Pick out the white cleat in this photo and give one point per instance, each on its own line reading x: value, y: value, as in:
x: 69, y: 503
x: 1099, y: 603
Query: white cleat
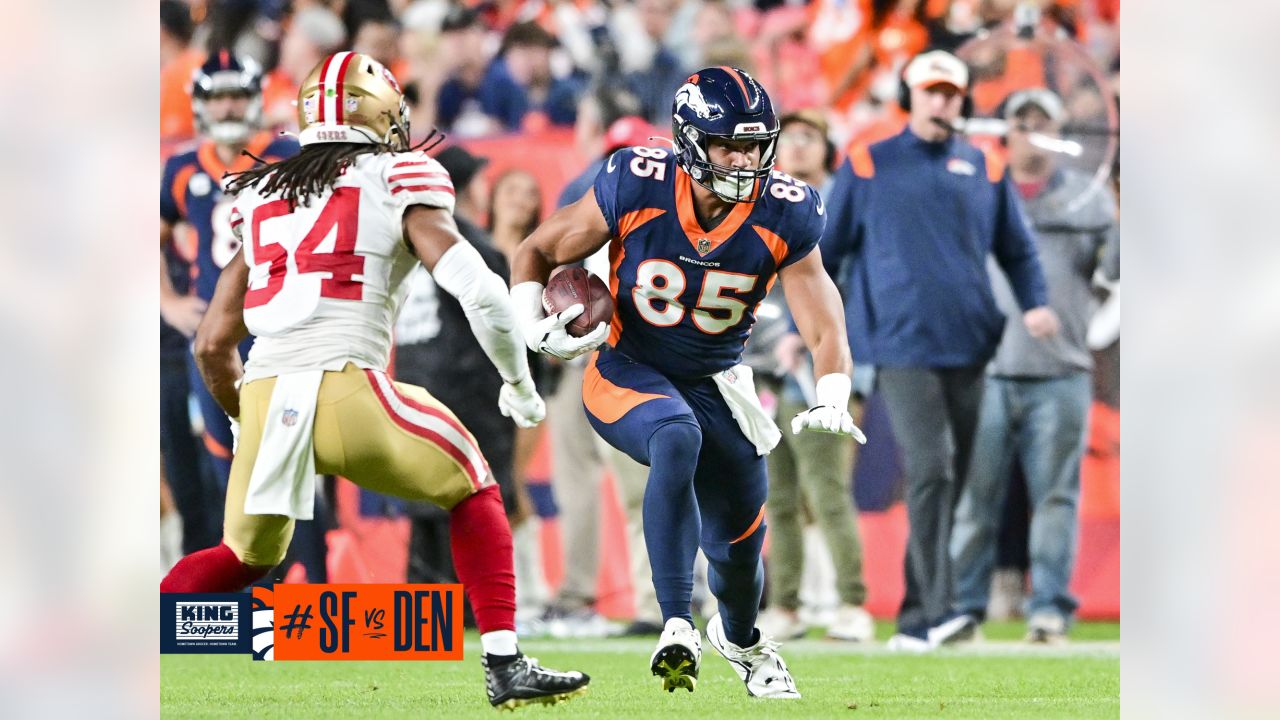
x: 760, y: 666
x: 678, y: 656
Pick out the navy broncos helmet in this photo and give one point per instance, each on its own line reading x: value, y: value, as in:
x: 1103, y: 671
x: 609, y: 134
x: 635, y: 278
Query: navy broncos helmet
x: 724, y: 102
x: 224, y: 73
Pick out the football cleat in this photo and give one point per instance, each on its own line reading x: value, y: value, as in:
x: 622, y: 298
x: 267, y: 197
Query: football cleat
x: 760, y: 666
x: 524, y: 682
x: 678, y: 656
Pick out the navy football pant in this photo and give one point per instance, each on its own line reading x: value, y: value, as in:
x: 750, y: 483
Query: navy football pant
x: 706, y: 486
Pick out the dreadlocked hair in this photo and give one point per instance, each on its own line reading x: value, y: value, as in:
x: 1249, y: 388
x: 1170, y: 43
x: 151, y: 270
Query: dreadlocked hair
x: 313, y: 170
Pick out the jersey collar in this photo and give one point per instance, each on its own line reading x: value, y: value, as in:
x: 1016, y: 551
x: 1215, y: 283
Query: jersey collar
x: 212, y: 164
x: 705, y: 241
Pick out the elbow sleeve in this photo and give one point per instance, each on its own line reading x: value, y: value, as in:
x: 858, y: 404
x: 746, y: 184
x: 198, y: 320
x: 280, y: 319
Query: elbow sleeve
x: 462, y: 273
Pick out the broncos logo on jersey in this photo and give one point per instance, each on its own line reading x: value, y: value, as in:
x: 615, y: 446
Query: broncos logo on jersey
x: 690, y: 95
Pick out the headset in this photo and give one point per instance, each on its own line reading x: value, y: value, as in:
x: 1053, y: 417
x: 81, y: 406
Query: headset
x: 904, y: 91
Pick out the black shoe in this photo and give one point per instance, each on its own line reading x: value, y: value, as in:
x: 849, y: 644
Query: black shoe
x: 523, y: 682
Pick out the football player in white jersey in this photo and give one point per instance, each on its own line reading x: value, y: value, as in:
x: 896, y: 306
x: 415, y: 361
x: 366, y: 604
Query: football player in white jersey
x: 329, y: 237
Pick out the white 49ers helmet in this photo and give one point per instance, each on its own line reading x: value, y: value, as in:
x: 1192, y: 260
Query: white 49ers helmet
x: 352, y: 98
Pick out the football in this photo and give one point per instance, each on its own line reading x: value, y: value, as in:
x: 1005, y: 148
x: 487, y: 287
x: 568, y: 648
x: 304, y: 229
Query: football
x: 569, y: 286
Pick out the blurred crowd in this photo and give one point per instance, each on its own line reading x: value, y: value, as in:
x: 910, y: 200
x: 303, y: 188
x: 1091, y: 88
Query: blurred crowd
x: 474, y: 69
x: 585, y: 77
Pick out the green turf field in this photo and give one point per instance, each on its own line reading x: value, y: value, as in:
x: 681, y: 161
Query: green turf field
x: 998, y: 678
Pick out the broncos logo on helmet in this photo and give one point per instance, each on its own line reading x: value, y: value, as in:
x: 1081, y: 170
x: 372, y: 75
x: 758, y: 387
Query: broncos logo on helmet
x: 726, y: 103
x: 690, y: 96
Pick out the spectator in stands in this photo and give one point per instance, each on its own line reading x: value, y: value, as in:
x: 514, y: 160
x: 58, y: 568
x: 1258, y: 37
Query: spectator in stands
x: 915, y: 216
x: 1036, y: 404
x: 436, y: 349
x: 477, y: 98
x: 312, y: 33
x: 525, y: 58
x: 378, y: 36
x: 607, y: 121
x: 178, y: 60
x: 516, y: 209
x: 812, y: 469
x: 650, y: 69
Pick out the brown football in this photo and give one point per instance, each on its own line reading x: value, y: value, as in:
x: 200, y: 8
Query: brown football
x: 570, y: 286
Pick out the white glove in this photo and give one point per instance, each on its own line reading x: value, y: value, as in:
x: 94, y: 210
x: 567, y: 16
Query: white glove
x: 549, y: 336
x: 831, y: 414
x: 520, y: 402
x: 235, y: 434
x: 546, y: 333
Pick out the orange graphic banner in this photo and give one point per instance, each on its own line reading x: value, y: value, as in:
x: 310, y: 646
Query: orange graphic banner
x: 368, y: 622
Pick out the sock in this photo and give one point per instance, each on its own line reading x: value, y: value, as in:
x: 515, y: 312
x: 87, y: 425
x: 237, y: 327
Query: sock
x: 216, y: 569
x: 482, y: 555
x: 500, y: 644
x: 671, y: 523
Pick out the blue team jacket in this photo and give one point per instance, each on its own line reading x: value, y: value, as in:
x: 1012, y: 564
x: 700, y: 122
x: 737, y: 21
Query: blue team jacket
x: 909, y: 226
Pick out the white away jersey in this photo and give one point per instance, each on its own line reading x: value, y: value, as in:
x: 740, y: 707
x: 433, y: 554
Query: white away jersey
x: 327, y: 279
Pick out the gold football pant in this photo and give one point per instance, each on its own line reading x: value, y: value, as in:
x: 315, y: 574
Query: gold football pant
x: 389, y: 437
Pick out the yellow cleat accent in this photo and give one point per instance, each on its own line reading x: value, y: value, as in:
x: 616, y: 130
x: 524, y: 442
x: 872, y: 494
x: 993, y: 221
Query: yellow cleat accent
x: 676, y: 675
x: 512, y: 704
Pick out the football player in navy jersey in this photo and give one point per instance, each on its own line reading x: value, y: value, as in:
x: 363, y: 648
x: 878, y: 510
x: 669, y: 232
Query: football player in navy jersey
x: 697, y: 237
x: 226, y: 97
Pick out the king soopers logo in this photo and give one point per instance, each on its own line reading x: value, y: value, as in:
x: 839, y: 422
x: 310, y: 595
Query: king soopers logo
x: 207, y: 620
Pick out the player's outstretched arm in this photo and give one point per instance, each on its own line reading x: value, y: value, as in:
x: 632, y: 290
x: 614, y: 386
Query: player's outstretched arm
x: 819, y: 314
x: 572, y: 233
x: 460, y: 270
x: 219, y: 335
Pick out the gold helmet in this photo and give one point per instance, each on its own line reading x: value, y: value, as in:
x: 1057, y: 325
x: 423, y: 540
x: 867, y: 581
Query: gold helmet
x: 352, y: 98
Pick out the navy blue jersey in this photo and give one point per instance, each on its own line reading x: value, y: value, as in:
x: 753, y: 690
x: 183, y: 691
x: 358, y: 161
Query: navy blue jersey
x: 191, y: 191
x: 686, y: 297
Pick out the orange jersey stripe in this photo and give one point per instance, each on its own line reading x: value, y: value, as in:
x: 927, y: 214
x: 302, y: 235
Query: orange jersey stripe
x: 777, y: 246
x: 607, y: 401
x: 179, y: 188
x: 208, y: 157
x: 617, y: 251
x: 634, y: 219
x: 216, y: 448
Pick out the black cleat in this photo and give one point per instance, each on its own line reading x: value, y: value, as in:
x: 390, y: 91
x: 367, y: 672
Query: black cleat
x: 524, y: 682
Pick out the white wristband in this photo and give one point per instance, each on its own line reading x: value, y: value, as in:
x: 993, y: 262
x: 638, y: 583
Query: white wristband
x: 834, y: 390
x: 526, y: 301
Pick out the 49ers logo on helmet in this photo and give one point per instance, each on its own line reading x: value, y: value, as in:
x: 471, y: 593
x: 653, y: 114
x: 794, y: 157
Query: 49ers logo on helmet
x: 391, y: 79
